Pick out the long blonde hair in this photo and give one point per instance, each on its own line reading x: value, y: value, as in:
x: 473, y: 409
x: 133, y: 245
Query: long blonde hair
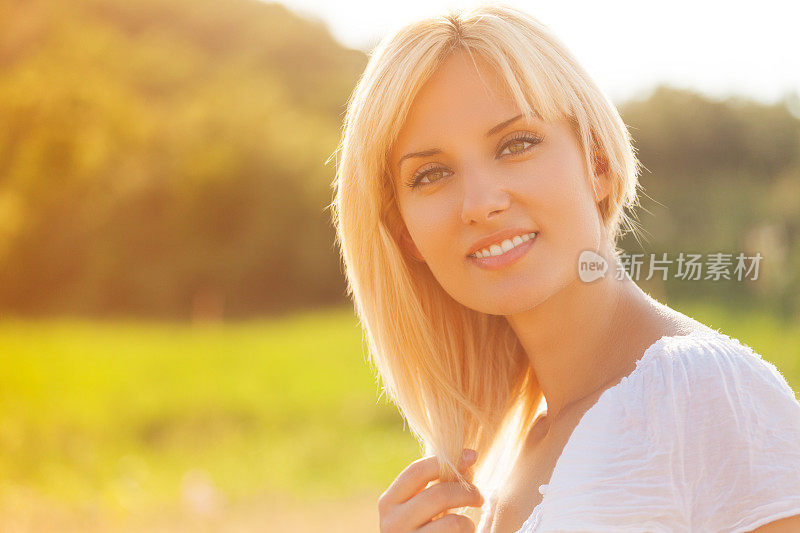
x: 460, y: 377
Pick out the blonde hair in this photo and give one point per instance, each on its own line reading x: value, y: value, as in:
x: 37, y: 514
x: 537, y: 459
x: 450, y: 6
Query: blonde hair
x: 460, y: 377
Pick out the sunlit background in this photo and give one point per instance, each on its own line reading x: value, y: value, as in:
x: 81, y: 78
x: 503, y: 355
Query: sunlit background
x: 176, y: 350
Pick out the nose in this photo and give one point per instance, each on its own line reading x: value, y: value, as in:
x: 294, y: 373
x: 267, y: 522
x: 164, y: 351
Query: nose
x: 483, y: 198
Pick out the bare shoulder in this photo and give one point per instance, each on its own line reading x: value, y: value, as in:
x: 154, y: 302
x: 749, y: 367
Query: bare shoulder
x: 675, y: 322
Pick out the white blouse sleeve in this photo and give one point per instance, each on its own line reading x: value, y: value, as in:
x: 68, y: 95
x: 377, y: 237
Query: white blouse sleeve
x: 736, y: 423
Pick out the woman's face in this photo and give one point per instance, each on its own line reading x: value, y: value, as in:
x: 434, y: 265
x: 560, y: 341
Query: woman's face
x: 481, y: 170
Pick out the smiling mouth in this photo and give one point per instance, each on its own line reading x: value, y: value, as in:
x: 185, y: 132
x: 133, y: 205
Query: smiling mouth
x: 505, y: 259
x: 503, y: 247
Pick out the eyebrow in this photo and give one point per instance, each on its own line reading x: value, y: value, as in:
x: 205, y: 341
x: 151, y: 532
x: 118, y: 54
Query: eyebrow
x: 434, y: 151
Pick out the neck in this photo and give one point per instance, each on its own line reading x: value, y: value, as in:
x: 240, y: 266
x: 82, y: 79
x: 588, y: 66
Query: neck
x: 575, y: 339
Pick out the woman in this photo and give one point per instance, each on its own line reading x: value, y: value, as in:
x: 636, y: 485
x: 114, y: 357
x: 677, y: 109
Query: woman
x: 478, y: 163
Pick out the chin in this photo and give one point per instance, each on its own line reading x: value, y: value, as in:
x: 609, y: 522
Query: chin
x: 509, y: 304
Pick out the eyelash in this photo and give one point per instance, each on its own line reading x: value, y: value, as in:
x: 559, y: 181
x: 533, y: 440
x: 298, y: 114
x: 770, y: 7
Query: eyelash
x: 520, y: 136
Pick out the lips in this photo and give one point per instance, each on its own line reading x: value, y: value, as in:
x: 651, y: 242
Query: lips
x: 497, y: 238
x: 504, y: 260
x: 505, y: 246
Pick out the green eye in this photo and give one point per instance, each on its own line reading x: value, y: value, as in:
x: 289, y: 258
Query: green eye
x: 520, y: 143
x: 433, y: 174
x: 517, y: 146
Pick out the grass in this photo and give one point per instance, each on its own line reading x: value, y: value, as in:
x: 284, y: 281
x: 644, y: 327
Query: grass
x: 127, y: 418
x: 124, y: 416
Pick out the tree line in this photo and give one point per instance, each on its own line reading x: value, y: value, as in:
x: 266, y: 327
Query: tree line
x: 168, y: 160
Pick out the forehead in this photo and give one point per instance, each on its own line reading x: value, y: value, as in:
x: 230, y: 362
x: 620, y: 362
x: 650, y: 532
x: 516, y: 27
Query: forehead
x: 464, y: 94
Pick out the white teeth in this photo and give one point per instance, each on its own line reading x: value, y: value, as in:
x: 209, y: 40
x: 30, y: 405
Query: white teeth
x: 506, y: 245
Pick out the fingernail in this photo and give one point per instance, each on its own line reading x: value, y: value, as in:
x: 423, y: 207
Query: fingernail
x: 468, y: 455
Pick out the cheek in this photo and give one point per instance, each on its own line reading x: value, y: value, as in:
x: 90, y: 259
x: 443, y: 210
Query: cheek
x: 427, y: 224
x: 557, y: 188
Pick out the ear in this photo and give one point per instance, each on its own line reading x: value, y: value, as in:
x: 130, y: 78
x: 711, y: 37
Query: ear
x: 602, y: 180
x: 408, y: 246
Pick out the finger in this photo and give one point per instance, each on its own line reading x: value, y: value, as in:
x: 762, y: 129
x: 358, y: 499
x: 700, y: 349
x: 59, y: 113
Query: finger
x: 437, y: 499
x: 448, y: 524
x: 466, y: 470
x: 415, y: 477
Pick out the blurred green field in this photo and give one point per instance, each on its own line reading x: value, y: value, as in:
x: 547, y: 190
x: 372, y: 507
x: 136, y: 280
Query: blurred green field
x: 133, y: 418
x: 140, y: 419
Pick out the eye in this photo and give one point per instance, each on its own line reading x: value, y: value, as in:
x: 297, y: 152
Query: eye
x: 519, y: 143
x: 432, y: 174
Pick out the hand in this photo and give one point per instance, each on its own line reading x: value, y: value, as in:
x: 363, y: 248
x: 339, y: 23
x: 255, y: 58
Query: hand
x: 405, y: 507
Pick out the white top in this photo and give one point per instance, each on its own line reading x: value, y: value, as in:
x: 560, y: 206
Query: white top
x: 703, y: 435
